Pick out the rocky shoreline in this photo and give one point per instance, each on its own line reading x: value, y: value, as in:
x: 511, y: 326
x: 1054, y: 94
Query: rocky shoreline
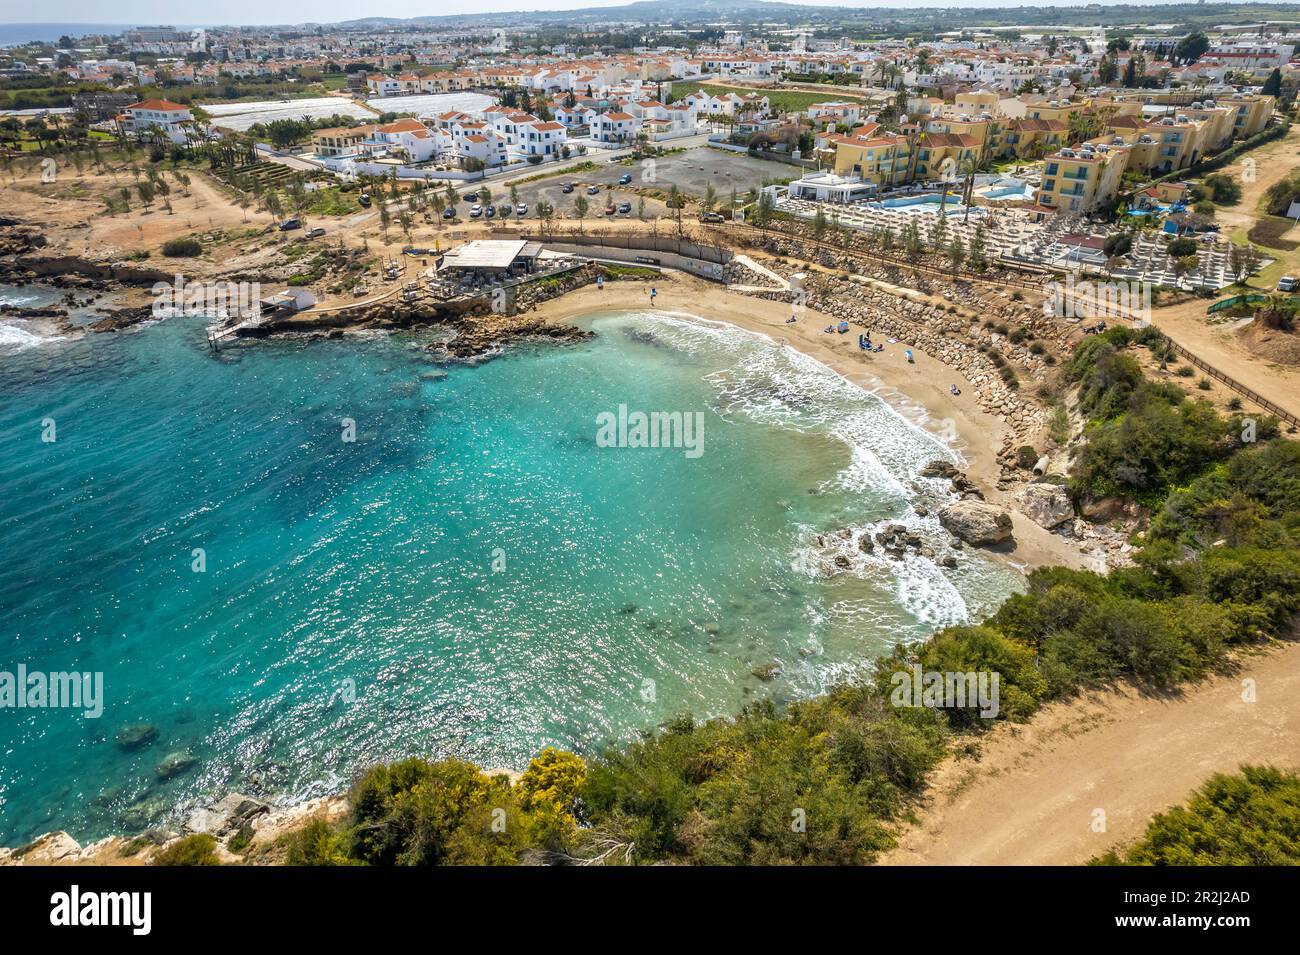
x: 253, y: 826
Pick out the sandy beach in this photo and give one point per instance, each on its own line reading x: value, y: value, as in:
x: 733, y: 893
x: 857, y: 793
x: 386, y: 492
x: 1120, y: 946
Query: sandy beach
x: 919, y: 391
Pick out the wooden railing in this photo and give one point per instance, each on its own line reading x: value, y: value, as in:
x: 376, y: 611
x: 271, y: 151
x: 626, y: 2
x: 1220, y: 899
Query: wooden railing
x: 1249, y: 393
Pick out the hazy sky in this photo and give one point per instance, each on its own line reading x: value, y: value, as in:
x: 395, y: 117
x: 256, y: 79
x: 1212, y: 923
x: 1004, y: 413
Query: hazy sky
x: 328, y: 11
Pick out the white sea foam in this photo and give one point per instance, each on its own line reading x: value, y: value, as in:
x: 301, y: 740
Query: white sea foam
x: 784, y: 387
x: 15, y: 337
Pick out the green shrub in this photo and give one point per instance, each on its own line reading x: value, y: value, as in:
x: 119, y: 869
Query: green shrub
x: 1247, y: 818
x: 182, y: 248
x: 199, y: 849
x: 316, y: 844
x: 241, y: 840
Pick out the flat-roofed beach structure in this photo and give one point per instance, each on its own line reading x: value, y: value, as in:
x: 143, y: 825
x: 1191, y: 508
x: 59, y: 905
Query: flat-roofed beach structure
x: 494, y: 257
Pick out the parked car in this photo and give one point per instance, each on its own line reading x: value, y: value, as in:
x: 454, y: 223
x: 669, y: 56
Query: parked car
x: 624, y: 179
x: 315, y: 233
x: 288, y: 224
x: 364, y: 200
x: 490, y: 212
x: 712, y: 217
x: 609, y: 209
x: 567, y: 188
x: 625, y: 207
x: 504, y: 210
x: 521, y: 209
x: 593, y: 190
x: 475, y: 211
x: 449, y: 212
x: 1287, y: 283
x: 471, y: 197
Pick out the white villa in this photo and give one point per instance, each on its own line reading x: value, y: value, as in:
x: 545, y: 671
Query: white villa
x: 157, y: 115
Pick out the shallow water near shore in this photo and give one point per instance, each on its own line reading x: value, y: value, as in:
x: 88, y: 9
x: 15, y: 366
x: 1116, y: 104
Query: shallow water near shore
x: 473, y: 576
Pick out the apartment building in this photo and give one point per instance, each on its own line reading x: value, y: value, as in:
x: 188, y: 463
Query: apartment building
x: 1084, y: 179
x: 878, y: 159
x: 946, y: 155
x: 1027, y: 138
x: 977, y: 130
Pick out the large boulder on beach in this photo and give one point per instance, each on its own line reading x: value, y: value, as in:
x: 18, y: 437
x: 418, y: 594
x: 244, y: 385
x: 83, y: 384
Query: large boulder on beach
x: 976, y: 522
x: 227, y: 815
x: 939, y: 469
x: 1047, y: 504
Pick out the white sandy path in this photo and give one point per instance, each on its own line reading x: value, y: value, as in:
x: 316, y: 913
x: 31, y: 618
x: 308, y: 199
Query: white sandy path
x: 1030, y: 798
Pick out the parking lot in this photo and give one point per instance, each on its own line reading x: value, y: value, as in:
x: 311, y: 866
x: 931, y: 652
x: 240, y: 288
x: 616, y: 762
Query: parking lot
x: 693, y: 171
x: 690, y: 171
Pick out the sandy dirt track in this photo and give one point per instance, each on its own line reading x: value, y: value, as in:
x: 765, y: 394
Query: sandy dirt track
x: 1030, y: 798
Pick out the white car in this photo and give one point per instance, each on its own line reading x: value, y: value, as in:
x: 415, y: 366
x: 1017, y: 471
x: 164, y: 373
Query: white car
x: 1287, y: 283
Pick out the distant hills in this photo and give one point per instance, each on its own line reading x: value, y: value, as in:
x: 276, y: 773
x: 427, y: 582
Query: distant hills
x: 773, y: 11
x: 658, y: 11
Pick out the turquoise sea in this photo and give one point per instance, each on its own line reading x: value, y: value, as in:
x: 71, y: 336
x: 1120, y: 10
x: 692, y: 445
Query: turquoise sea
x: 472, y: 576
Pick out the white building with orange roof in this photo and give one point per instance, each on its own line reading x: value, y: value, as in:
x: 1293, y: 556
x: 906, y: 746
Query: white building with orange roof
x: 576, y: 116
x: 158, y: 116
x: 835, y: 112
x: 615, y: 127
x: 382, y: 85
x: 544, y: 139
x: 408, y: 138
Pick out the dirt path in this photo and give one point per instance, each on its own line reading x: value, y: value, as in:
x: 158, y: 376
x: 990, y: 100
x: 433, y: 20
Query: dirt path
x: 1032, y: 796
x: 1273, y: 161
x: 1187, y: 325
